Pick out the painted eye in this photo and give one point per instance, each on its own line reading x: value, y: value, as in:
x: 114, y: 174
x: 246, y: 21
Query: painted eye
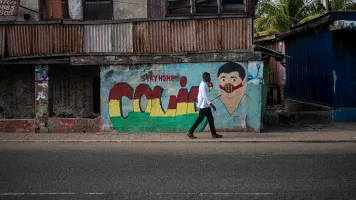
x: 223, y: 80
x: 234, y: 80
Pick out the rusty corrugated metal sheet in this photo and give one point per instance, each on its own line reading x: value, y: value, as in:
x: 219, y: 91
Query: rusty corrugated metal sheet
x: 276, y: 71
x: 97, y: 38
x: 122, y: 37
x: 2, y: 40
x: 192, y: 35
x: 32, y: 40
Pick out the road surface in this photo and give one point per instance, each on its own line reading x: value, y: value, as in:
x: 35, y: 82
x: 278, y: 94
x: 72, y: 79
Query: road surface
x: 177, y: 171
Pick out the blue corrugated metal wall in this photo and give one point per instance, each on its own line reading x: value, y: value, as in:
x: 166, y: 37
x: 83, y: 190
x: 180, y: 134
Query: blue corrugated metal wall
x: 345, y: 57
x: 310, y: 70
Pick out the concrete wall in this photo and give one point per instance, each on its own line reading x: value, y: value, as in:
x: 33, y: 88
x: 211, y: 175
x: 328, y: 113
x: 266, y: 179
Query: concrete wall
x: 17, y: 91
x: 124, y: 9
x: 32, y: 4
x: 71, y: 91
x: 160, y: 98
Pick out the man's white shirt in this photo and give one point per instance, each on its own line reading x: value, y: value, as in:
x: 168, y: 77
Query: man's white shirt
x: 203, y: 96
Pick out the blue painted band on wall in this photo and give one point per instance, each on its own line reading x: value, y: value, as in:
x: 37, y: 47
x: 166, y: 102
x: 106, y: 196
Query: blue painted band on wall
x: 344, y: 115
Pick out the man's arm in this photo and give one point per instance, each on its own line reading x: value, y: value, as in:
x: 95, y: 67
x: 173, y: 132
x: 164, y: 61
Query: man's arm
x: 206, y: 97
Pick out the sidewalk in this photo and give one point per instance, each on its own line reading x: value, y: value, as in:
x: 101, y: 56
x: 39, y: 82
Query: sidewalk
x: 173, y: 137
x: 345, y: 132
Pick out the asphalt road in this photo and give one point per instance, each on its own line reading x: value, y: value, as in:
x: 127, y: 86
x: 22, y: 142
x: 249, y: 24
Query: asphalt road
x: 177, y: 171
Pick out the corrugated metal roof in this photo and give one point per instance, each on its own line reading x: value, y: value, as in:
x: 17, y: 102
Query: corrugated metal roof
x: 161, y: 36
x: 122, y: 39
x: 30, y: 40
x: 108, y: 38
x: 326, y: 18
x: 97, y: 38
x: 193, y: 35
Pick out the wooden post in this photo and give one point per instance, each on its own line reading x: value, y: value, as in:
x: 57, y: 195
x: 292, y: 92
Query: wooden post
x: 327, y: 5
x: 192, y: 6
x: 164, y: 7
x: 219, y: 6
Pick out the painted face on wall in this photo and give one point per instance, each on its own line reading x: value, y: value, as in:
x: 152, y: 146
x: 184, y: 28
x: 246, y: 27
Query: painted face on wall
x: 231, y: 79
x: 229, y: 83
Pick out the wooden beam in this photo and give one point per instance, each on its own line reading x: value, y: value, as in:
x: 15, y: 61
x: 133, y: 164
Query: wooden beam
x: 192, y: 8
x: 165, y: 7
x: 166, y: 58
x: 35, y: 62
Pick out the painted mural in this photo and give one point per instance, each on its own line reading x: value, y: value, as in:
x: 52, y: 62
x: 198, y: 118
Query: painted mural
x: 162, y: 98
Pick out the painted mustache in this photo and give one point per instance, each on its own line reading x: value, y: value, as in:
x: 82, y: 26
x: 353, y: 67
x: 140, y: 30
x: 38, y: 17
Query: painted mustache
x: 229, y: 88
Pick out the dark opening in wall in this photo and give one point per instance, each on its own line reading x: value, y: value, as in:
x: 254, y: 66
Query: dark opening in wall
x: 17, y: 92
x: 98, y: 10
x: 205, y: 7
x: 232, y: 6
x: 72, y: 89
x: 96, y: 95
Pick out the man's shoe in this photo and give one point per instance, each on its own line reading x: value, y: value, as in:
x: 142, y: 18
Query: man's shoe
x: 191, y: 136
x: 217, y: 136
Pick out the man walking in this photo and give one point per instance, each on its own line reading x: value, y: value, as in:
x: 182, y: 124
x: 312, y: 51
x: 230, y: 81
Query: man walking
x: 204, y: 105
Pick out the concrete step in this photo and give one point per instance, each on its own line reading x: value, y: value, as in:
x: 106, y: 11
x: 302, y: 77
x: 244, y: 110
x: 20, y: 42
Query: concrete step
x: 305, y: 117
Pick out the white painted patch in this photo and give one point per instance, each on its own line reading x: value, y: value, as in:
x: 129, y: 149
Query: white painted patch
x: 75, y: 9
x: 335, y: 79
x: 41, y: 96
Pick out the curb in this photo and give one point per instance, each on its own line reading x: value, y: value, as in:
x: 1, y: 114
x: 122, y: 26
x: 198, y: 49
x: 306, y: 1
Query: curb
x: 175, y: 141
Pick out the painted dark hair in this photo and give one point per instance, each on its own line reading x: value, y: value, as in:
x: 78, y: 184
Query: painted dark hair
x: 232, y: 67
x: 205, y: 75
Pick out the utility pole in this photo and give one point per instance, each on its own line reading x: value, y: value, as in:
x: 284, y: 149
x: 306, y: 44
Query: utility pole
x: 327, y: 5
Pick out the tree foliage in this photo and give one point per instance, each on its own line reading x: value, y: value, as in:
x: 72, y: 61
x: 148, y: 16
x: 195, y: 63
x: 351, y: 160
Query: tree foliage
x: 277, y: 16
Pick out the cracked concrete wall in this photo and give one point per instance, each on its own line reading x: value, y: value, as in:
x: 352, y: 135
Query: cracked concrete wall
x: 124, y: 9
x: 17, y: 91
x: 71, y: 91
x: 160, y: 97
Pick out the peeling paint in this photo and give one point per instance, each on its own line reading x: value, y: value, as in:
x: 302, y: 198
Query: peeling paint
x: 124, y: 9
x: 17, y: 126
x: 254, y: 92
x: 41, y: 103
x: 75, y: 9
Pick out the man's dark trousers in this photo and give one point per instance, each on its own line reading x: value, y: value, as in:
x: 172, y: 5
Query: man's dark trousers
x: 204, y: 112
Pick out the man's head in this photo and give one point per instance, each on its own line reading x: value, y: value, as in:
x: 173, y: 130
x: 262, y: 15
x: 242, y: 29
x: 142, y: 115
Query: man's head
x: 206, y: 77
x: 231, y: 77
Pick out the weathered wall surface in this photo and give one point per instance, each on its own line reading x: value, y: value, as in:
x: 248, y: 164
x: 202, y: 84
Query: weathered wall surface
x: 124, y: 9
x: 161, y: 98
x: 17, y: 91
x: 75, y: 9
x: 71, y: 91
x: 32, y: 4
x: 17, y: 125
